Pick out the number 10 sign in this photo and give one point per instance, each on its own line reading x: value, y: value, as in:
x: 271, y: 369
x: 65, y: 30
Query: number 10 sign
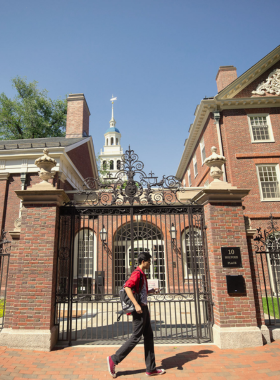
x: 231, y: 257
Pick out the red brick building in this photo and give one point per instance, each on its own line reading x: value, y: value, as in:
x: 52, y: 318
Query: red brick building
x: 243, y: 122
x: 74, y: 155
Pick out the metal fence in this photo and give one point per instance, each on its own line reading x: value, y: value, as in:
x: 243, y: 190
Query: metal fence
x: 5, y: 247
x: 267, y: 251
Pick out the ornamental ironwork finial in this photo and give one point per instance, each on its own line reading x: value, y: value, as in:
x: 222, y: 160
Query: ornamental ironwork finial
x: 131, y: 185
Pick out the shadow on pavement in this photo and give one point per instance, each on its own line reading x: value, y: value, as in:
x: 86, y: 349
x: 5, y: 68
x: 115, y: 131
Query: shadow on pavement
x: 174, y: 361
x: 182, y: 358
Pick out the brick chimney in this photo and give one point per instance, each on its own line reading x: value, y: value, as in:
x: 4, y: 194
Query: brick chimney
x: 226, y: 75
x: 77, y: 123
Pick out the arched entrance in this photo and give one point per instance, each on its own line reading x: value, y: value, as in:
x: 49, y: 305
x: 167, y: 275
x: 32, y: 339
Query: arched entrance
x: 146, y: 238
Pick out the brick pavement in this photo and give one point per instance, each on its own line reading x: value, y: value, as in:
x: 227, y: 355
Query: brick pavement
x: 197, y: 362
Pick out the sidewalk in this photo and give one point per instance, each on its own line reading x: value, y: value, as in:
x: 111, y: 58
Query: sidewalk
x: 205, y: 362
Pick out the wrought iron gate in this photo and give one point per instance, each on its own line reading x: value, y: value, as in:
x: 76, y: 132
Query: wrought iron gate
x: 99, y: 241
x: 267, y: 250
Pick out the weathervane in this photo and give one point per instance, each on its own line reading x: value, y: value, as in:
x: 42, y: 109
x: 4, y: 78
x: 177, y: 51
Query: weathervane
x: 113, y: 120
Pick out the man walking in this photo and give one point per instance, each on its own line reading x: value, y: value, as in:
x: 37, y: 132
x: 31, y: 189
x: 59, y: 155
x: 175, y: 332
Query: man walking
x: 141, y: 320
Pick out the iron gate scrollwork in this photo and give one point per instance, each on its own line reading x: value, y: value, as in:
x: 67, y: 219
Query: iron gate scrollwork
x: 99, y: 241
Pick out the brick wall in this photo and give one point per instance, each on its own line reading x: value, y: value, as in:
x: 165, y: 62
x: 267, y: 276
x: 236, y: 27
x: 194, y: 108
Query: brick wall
x: 30, y: 297
x: 242, y: 156
x: 225, y: 227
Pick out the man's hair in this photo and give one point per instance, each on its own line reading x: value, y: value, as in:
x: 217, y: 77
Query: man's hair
x: 143, y: 256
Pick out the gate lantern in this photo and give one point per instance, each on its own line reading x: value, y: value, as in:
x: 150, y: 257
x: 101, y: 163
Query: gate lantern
x: 103, y: 234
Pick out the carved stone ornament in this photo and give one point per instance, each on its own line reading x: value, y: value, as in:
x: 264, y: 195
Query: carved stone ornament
x: 45, y: 164
x: 271, y: 85
x: 215, y: 162
x: 17, y: 224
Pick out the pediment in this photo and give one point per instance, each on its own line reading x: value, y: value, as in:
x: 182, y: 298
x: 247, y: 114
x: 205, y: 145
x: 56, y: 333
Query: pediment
x: 262, y: 79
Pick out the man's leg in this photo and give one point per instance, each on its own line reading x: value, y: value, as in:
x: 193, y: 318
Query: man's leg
x: 149, y: 343
x: 127, y: 347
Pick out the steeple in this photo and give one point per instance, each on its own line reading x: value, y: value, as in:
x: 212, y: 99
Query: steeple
x: 112, y: 121
x: 112, y: 155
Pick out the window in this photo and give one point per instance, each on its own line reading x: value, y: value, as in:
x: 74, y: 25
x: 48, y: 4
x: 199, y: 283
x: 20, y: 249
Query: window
x: 202, y: 149
x: 83, y: 255
x: 193, y: 253
x: 118, y: 164
x: 184, y: 182
x: 189, y: 178
x: 111, y: 165
x: 117, y: 141
x: 104, y: 165
x: 269, y: 181
x: 195, y: 166
x: 107, y: 142
x: 260, y: 128
x: 112, y: 140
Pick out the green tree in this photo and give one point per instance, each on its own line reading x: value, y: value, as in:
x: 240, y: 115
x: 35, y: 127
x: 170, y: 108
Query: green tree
x: 31, y: 114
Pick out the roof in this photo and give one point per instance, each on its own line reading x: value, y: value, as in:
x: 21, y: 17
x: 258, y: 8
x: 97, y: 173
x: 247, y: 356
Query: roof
x: 39, y: 143
x: 114, y: 129
x: 225, y: 100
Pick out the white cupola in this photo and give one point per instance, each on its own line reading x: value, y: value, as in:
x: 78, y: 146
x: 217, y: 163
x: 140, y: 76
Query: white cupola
x: 111, y: 156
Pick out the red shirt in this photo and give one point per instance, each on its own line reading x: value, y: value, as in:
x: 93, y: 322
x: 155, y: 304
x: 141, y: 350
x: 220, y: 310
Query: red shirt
x: 134, y: 280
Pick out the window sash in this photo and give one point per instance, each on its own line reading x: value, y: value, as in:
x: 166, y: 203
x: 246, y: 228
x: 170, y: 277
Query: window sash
x: 269, y: 181
x: 260, y: 128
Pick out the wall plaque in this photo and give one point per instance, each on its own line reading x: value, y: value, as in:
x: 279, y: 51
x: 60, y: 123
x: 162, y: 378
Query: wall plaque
x: 231, y: 257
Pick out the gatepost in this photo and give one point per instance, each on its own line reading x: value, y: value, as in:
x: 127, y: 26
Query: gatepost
x: 30, y: 305
x: 235, y: 316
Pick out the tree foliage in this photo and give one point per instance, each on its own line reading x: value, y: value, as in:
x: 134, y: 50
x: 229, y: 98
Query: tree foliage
x: 31, y: 114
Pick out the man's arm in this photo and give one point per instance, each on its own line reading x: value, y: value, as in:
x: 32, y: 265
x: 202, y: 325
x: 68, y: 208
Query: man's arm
x: 133, y: 300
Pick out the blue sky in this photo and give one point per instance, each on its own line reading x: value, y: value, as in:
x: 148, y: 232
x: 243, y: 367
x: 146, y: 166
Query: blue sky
x: 159, y: 57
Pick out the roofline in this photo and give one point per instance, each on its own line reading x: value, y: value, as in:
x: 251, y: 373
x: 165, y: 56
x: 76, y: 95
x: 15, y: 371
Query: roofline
x: 251, y: 73
x: 207, y: 106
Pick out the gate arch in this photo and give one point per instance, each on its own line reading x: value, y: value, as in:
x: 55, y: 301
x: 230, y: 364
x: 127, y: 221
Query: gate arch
x: 147, y: 237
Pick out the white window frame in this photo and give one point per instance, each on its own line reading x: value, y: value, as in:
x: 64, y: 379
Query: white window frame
x: 189, y: 178
x: 202, y: 146
x: 195, y: 171
x: 260, y: 184
x: 269, y: 128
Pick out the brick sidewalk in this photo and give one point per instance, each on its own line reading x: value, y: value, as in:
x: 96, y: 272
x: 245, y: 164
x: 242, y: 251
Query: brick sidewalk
x: 206, y: 362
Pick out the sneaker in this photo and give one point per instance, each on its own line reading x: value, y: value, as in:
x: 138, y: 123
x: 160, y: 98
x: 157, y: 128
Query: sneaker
x: 111, y: 367
x: 156, y: 372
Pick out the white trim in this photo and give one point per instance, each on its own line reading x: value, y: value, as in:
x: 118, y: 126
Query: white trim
x: 260, y: 186
x: 202, y: 145
x: 271, y: 139
x: 189, y: 178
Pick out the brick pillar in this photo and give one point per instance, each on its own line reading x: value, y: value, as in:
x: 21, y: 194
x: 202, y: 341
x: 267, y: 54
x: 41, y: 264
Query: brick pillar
x: 235, y: 317
x: 29, y: 319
